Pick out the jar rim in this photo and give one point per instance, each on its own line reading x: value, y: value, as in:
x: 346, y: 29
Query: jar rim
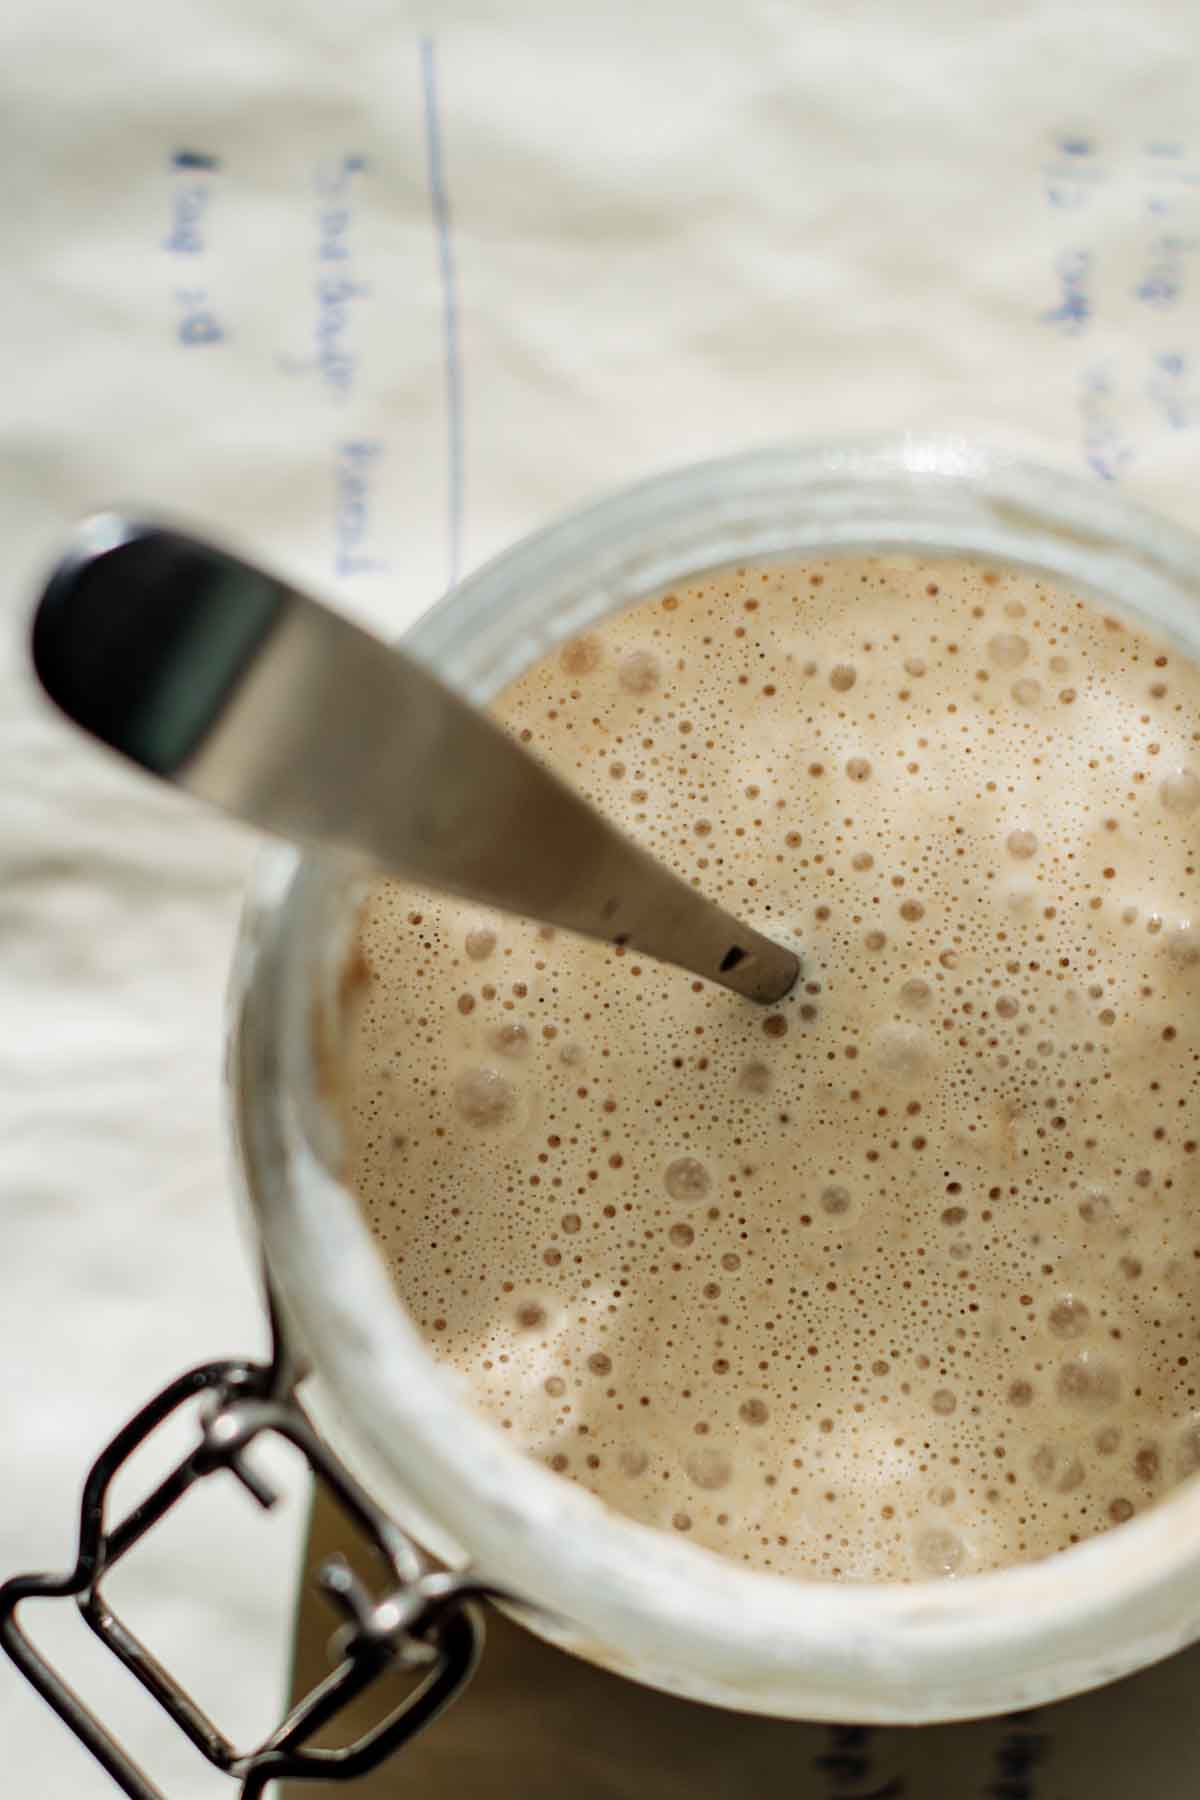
x: 671, y: 1613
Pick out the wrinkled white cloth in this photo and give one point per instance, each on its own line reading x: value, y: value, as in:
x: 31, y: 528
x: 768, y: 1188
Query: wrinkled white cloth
x: 370, y: 305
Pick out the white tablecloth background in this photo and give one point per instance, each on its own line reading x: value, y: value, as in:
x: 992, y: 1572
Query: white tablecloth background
x: 451, y: 272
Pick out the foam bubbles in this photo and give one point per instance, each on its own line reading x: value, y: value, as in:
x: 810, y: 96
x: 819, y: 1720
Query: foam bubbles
x: 582, y: 656
x: 902, y: 1052
x: 1187, y: 1451
x: 708, y: 1468
x: 1087, y: 1383
x: 894, y: 1281
x: 640, y: 672
x: 687, y: 1179
x: 1057, y: 1467
x: 916, y: 994
x: 1180, y: 791
x: 1069, y: 1317
x: 939, y: 1552
x: 1183, y: 945
x: 1007, y: 650
x: 483, y: 1097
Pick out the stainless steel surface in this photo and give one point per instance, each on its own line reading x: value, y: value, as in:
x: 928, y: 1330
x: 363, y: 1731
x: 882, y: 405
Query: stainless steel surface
x: 263, y: 702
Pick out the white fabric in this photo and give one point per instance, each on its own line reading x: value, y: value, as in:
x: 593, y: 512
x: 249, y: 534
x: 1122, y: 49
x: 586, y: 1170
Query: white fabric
x: 658, y: 235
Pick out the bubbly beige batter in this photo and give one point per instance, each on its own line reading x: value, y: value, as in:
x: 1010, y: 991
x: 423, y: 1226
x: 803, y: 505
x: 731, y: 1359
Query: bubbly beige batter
x: 899, y: 1278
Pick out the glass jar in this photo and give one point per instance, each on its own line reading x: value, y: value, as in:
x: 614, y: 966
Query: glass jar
x: 650, y: 1606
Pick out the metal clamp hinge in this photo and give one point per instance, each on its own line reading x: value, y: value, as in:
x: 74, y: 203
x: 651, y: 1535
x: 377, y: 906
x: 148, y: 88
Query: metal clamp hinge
x: 427, y: 1620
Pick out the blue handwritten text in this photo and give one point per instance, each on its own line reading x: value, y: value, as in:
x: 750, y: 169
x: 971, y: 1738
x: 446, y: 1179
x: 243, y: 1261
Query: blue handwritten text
x: 352, y: 508
x: 1073, y: 269
x: 1105, y: 447
x: 197, y: 321
x: 1170, y: 391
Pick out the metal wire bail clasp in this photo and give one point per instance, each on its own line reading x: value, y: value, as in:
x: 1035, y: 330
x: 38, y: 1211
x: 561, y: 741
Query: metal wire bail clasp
x: 427, y: 1620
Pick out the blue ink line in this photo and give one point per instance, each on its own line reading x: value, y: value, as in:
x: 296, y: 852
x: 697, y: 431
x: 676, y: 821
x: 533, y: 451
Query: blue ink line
x: 195, y: 159
x: 439, y: 200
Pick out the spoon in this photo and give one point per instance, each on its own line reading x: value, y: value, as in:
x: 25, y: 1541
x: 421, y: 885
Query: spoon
x: 231, y: 684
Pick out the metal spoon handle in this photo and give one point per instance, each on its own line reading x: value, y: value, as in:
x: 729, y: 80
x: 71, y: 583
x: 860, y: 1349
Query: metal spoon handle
x: 229, y: 683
